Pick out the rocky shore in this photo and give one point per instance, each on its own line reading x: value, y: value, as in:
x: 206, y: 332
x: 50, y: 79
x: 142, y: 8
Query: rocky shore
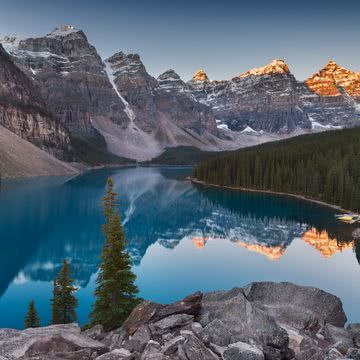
x: 262, y: 321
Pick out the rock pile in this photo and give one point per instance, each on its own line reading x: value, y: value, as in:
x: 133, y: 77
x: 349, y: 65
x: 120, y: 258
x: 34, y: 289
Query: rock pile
x: 263, y: 321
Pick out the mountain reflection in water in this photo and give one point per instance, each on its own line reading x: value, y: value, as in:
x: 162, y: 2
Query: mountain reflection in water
x: 44, y: 220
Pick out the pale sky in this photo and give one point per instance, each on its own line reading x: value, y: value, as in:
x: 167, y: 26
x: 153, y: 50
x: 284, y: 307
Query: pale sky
x: 225, y: 38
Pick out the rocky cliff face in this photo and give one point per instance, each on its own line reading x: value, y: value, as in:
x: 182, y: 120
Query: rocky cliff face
x: 116, y: 106
x: 163, y: 111
x: 270, y: 99
x: 331, y: 97
x: 261, y: 321
x: 265, y: 98
x: 23, y: 112
x: 113, y: 102
x: 167, y: 98
x: 175, y: 99
x: 70, y: 76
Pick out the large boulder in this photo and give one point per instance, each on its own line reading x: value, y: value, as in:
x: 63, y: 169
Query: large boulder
x: 194, y: 349
x: 96, y: 332
x: 117, y: 354
x: 153, y: 352
x: 353, y: 353
x: 172, y: 345
x: 217, y: 333
x: 56, y: 341
x: 294, y: 305
x: 149, y: 312
x: 243, y: 320
x: 341, y: 339
x: 138, y: 341
x: 243, y: 351
x: 172, y: 322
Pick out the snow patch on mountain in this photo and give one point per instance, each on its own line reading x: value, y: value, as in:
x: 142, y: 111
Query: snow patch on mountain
x: 10, y: 42
x: 110, y: 74
x: 249, y: 130
x: 11, y: 45
x: 222, y: 126
x: 315, y: 125
x: 63, y: 31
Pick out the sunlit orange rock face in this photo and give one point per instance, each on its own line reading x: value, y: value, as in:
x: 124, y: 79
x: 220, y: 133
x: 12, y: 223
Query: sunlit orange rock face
x: 275, y: 67
x: 323, y: 243
x: 273, y: 253
x: 199, y: 241
x: 200, y: 76
x: 333, y: 79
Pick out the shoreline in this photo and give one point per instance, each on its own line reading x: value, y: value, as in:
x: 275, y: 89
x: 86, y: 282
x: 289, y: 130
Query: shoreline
x: 79, y: 170
x: 83, y: 169
x: 270, y: 192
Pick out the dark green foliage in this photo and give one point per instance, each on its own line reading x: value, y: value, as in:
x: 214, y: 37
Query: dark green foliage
x: 32, y: 319
x: 183, y: 155
x: 55, y: 308
x: 64, y: 301
x: 322, y: 166
x: 115, y: 292
x: 357, y: 250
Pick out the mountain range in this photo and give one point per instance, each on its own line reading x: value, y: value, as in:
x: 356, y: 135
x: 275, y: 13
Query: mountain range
x: 57, y: 93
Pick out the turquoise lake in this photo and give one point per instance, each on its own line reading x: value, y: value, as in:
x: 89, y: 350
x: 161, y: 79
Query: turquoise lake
x: 181, y: 237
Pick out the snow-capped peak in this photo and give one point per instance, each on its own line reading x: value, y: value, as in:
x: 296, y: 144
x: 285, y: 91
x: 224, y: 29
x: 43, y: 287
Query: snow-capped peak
x: 200, y: 76
x: 169, y: 75
x: 277, y: 66
x: 10, y: 42
x: 63, y: 31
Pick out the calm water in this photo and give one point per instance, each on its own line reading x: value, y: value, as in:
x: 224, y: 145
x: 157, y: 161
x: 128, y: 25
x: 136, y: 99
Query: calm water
x: 182, y: 238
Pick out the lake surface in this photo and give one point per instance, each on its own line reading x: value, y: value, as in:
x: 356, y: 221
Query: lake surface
x: 182, y: 238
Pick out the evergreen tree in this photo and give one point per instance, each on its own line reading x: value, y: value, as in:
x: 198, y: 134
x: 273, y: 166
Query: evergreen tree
x: 357, y: 251
x: 32, y: 319
x: 55, y: 308
x: 116, y: 291
x: 323, y: 166
x: 64, y: 302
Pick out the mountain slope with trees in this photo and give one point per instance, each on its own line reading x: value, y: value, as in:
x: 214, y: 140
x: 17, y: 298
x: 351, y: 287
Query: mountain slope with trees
x: 323, y: 166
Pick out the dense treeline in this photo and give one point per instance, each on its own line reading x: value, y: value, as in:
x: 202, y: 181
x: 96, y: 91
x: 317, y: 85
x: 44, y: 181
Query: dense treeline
x: 183, y: 155
x: 323, y: 166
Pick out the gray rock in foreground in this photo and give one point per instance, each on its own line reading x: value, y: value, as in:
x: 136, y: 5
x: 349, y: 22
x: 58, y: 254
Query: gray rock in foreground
x: 263, y: 321
x: 52, y: 342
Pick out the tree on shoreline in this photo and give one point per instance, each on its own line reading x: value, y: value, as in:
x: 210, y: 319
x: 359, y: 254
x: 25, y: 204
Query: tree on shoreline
x: 32, y: 319
x: 322, y: 166
x: 116, y: 290
x: 64, y: 302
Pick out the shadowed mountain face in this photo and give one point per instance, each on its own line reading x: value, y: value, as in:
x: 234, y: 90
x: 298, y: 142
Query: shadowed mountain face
x: 62, y: 218
x: 70, y: 75
x: 114, y: 103
x: 24, y: 113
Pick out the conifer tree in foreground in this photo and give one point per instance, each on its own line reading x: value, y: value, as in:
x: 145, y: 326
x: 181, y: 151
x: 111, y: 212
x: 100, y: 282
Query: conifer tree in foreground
x: 32, y: 319
x: 55, y: 309
x: 64, y: 302
x: 116, y: 292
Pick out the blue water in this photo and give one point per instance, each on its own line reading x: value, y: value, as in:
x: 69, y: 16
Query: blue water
x: 182, y: 238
